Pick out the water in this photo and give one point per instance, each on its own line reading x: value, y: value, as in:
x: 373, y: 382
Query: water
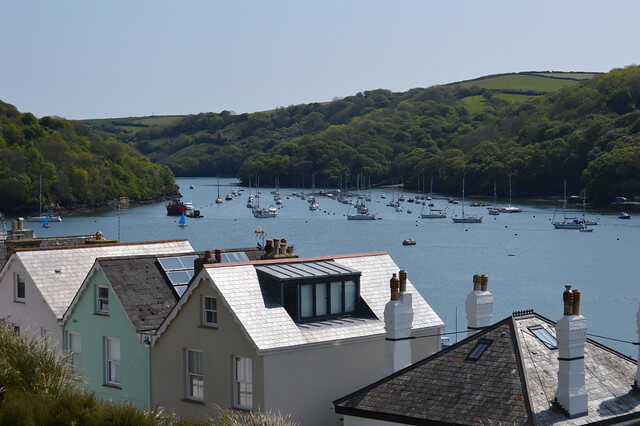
x: 603, y: 264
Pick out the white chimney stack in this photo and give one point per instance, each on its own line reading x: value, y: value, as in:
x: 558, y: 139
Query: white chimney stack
x: 571, y: 335
x: 479, y: 305
x: 637, y: 381
x: 398, y: 318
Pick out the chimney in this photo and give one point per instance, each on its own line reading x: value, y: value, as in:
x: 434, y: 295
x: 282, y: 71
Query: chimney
x: 479, y: 305
x: 199, y: 262
x: 637, y: 381
x: 218, y: 253
x: 571, y: 335
x: 398, y: 318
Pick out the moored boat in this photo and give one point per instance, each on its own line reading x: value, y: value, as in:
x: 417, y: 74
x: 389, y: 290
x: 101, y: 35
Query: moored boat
x: 174, y: 208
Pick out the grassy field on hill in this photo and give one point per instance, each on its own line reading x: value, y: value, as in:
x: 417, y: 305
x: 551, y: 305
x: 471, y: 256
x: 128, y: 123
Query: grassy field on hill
x: 522, y: 82
x: 477, y: 103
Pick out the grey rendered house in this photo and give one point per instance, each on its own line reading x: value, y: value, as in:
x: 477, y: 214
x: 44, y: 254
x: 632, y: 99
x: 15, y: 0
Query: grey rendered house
x: 285, y: 335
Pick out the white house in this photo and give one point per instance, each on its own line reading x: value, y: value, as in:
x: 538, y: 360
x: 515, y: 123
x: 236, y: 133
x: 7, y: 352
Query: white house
x: 37, y: 285
x: 285, y: 335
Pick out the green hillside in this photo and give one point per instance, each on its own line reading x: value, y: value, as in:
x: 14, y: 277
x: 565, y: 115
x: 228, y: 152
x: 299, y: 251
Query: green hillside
x: 80, y: 167
x: 540, y: 128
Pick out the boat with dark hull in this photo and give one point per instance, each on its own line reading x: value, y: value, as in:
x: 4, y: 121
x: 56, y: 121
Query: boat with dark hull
x: 176, y: 207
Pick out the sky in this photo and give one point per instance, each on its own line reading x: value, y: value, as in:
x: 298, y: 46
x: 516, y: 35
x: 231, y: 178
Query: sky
x: 100, y: 59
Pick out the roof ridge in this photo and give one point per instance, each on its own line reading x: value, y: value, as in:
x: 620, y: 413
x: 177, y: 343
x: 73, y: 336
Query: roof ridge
x: 147, y: 256
x: 131, y: 243
x: 295, y: 259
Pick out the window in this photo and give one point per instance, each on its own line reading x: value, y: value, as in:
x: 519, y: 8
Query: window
x: 195, y: 378
x: 243, y: 384
x: 319, y: 300
x: 112, y: 366
x: 543, y: 335
x: 209, y: 311
x: 478, y: 350
x: 19, y: 289
x: 16, y: 329
x: 102, y: 301
x: 75, y: 351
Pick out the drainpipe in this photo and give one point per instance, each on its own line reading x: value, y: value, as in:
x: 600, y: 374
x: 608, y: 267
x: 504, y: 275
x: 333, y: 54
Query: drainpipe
x: 571, y: 335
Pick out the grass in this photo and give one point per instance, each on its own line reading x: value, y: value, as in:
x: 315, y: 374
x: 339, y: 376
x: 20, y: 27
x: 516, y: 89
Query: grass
x: 477, y: 103
x: 37, y: 388
x: 522, y: 82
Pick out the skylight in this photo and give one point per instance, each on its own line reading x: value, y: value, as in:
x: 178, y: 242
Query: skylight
x: 478, y: 350
x: 543, y: 335
x: 237, y: 256
x: 179, y: 270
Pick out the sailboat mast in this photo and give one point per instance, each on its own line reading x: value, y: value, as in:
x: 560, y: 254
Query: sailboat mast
x: 463, y: 197
x: 564, y: 202
x: 40, y: 196
x: 509, y: 189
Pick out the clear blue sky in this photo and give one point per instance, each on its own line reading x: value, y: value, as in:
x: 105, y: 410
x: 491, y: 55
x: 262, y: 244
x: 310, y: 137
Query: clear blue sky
x: 92, y: 59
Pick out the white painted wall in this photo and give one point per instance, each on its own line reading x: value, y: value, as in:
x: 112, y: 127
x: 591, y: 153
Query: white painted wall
x: 361, y: 421
x: 34, y: 314
x: 304, y: 383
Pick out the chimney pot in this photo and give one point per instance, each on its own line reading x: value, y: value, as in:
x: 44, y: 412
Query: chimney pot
x: 484, y: 282
x: 476, y: 282
x: 218, y: 254
x: 20, y: 223
x: 207, y: 254
x: 394, y: 283
x: 403, y: 281
x: 576, y: 302
x: 567, y: 298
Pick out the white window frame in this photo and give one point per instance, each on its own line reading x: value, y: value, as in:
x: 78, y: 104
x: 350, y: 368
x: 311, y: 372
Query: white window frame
x: 76, y: 357
x: 99, y: 307
x: 19, y: 278
x: 214, y: 312
x: 190, y: 391
x: 110, y: 360
x: 238, y: 382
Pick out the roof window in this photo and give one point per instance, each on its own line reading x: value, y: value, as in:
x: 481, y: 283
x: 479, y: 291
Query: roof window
x: 478, y: 350
x: 544, y: 336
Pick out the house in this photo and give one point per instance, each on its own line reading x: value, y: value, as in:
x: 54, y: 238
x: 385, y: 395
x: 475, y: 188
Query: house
x: 524, y: 369
x: 38, y: 284
x: 283, y: 334
x: 122, y: 301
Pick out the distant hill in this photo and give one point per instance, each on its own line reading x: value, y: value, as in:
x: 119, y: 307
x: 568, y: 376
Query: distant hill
x: 539, y: 127
x: 79, y: 167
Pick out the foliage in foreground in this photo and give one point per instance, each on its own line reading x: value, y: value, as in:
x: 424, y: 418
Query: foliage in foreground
x: 37, y: 388
x: 78, y: 166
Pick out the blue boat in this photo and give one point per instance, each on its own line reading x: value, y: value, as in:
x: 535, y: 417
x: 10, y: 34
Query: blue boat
x: 183, y: 220
x: 45, y: 223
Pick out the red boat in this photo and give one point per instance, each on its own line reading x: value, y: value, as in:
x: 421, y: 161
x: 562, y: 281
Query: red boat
x: 176, y: 207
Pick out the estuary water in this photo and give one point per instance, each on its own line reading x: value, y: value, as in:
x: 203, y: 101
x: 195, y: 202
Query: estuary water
x: 527, y: 260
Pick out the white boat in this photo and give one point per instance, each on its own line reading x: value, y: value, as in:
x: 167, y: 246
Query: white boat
x: 42, y: 217
x: 229, y: 197
x: 434, y: 214
x: 567, y: 222
x: 398, y: 208
x: 218, y: 198
x: 264, y: 213
x: 466, y: 219
x: 313, y: 206
x: 362, y: 216
x: 509, y: 208
x: 493, y: 211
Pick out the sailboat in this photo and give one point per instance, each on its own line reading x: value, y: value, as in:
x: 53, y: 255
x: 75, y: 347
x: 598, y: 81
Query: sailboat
x: 566, y: 223
x: 218, y: 198
x: 494, y: 210
x: 40, y: 217
x: 45, y: 224
x: 586, y: 221
x: 466, y: 219
x: 509, y: 208
x: 183, y: 220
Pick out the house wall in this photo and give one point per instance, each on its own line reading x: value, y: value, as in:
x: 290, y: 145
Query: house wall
x: 218, y: 345
x: 304, y: 382
x: 94, y: 328
x: 361, y: 421
x: 34, y: 314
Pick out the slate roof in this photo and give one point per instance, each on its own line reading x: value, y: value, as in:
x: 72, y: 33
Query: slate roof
x: 270, y: 327
x: 514, y: 381
x: 142, y: 288
x: 59, y: 272
x: 69, y: 240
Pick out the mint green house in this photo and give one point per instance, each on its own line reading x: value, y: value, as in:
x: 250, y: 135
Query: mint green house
x: 113, y: 318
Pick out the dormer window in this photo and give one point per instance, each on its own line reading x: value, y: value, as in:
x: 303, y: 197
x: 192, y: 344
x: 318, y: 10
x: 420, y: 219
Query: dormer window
x: 311, y: 291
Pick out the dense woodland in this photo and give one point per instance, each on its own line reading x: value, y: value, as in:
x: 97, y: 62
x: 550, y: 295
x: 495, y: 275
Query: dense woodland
x: 80, y: 167
x: 587, y: 134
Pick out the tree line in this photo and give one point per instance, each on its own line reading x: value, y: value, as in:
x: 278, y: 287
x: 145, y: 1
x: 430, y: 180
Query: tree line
x: 78, y: 166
